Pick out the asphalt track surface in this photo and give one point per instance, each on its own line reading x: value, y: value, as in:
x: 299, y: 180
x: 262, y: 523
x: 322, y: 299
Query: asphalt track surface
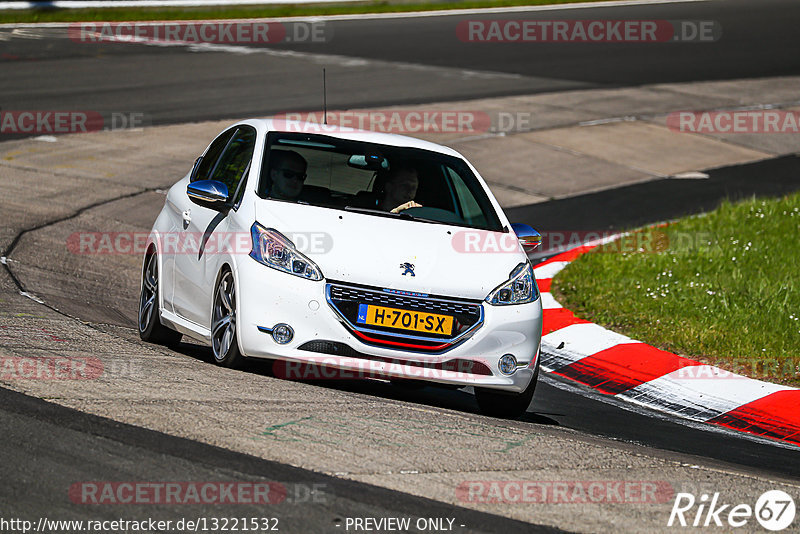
x: 177, y: 85
x: 69, y: 445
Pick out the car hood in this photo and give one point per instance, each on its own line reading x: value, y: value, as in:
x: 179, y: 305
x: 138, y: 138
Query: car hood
x: 373, y: 250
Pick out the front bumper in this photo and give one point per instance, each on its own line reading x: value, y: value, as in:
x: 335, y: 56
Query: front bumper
x: 268, y: 297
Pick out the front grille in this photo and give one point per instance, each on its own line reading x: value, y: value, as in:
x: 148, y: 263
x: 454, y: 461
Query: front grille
x: 346, y: 298
x: 384, y: 298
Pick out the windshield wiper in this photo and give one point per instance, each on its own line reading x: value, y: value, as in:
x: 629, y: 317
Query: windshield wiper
x: 379, y: 212
x: 401, y: 215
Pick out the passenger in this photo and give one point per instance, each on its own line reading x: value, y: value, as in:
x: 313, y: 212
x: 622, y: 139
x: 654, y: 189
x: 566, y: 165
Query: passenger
x: 399, y: 189
x: 287, y: 172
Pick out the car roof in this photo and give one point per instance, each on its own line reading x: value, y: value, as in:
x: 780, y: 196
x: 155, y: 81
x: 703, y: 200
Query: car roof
x: 350, y: 134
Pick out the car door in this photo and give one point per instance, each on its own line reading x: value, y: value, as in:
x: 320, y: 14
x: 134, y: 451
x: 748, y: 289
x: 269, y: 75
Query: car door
x: 197, y: 258
x: 179, y: 210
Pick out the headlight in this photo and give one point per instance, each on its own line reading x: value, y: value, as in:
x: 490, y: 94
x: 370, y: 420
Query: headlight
x: 519, y: 289
x: 275, y: 250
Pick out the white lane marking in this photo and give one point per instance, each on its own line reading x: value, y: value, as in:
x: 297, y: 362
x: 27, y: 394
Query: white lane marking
x: 32, y: 33
x: 31, y: 296
x: 549, y: 270
x: 410, y: 14
x: 597, y: 122
x: 691, y: 175
x: 342, y: 61
x: 700, y: 399
x: 509, y: 9
x: 549, y: 302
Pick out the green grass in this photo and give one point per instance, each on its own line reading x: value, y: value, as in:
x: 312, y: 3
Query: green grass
x: 264, y: 11
x: 722, y: 288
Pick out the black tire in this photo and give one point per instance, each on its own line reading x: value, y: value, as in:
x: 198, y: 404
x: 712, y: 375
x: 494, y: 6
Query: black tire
x: 149, y: 316
x: 224, y: 343
x: 495, y: 403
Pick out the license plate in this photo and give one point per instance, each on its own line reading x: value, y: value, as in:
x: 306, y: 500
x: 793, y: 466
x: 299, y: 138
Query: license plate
x: 430, y: 323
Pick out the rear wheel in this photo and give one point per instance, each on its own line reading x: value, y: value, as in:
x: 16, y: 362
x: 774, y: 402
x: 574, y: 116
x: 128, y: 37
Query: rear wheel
x: 497, y: 403
x: 223, y: 323
x: 150, y: 327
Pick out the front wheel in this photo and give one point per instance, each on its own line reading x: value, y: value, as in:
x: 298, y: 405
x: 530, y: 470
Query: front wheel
x: 150, y: 327
x: 506, y: 405
x: 223, y: 323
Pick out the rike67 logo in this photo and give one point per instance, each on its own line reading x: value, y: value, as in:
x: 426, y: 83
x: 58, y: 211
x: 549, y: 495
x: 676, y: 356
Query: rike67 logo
x: 774, y: 510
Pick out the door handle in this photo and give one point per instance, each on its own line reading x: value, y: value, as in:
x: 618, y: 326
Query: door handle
x: 187, y: 216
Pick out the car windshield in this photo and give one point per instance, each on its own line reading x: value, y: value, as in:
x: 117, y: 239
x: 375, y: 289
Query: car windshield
x: 380, y: 180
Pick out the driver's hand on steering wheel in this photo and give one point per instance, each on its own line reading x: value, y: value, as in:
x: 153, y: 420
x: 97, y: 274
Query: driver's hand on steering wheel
x: 407, y: 205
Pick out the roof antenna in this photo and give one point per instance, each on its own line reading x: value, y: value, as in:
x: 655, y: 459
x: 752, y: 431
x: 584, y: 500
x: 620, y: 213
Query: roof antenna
x: 324, y: 99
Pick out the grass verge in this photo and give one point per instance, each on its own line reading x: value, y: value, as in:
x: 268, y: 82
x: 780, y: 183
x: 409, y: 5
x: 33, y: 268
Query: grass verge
x: 722, y: 288
x: 262, y: 11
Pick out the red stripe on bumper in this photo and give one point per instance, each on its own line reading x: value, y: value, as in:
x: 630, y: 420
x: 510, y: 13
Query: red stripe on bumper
x: 401, y: 344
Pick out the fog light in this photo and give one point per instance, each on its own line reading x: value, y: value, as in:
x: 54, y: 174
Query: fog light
x: 507, y: 364
x: 282, y: 333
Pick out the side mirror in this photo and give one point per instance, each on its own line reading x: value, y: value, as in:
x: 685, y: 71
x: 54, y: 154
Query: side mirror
x: 528, y: 237
x: 208, y: 193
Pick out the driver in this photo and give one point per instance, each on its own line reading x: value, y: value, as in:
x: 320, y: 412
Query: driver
x: 400, y: 189
x: 287, y: 172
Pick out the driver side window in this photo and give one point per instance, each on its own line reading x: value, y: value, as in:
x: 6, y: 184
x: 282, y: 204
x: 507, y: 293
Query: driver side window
x: 235, y: 161
x: 211, y: 156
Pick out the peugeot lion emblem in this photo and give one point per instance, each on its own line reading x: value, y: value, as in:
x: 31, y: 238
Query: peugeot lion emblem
x: 408, y: 268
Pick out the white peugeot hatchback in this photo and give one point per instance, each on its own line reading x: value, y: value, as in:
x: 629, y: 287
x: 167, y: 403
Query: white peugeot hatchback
x: 372, y: 255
